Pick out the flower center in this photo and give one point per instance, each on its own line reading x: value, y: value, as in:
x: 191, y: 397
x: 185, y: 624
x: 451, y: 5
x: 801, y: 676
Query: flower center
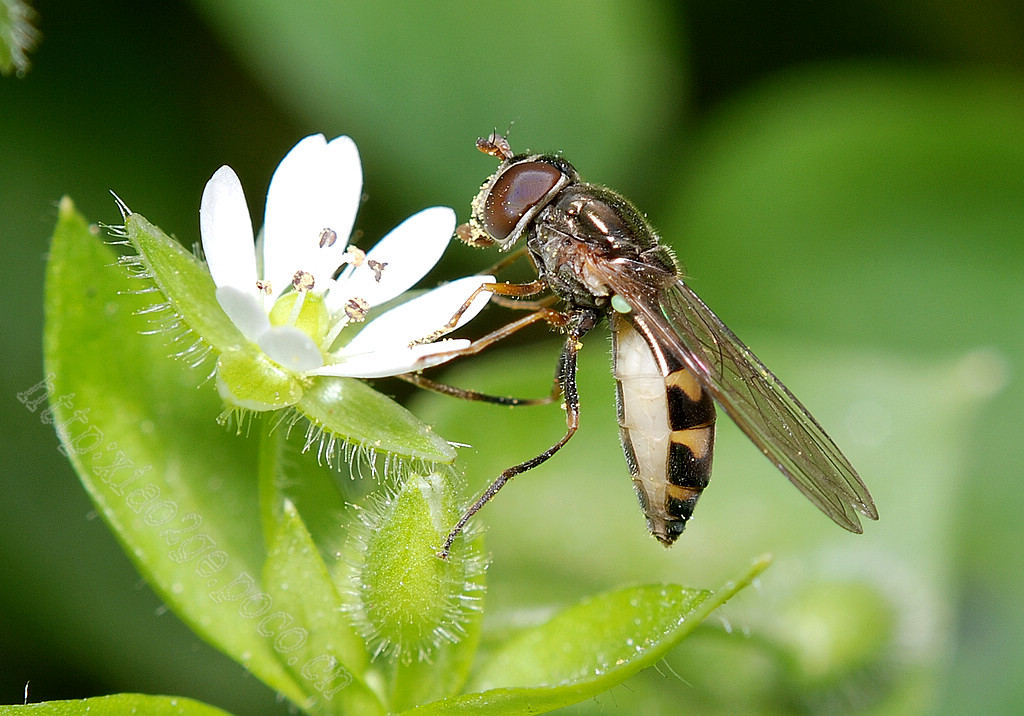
x: 303, y: 309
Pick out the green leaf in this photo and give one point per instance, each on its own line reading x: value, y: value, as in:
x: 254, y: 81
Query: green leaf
x: 588, y: 648
x: 177, y: 490
x: 117, y: 705
x: 312, y: 637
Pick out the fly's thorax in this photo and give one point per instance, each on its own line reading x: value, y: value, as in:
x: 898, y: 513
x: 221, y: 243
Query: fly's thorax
x: 563, y: 263
x: 604, y: 217
x: 585, y: 226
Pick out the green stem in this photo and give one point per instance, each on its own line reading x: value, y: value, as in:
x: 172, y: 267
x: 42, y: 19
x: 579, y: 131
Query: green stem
x: 267, y: 474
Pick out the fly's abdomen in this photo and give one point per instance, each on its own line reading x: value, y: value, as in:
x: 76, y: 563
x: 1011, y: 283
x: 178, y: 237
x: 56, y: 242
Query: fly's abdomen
x: 667, y: 427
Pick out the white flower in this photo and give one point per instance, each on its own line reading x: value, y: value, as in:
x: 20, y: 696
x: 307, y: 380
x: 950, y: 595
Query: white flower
x: 311, y: 208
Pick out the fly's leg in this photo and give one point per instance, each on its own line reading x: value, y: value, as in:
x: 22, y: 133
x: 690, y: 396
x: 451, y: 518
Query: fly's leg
x: 500, y: 289
x: 465, y: 394
x: 512, y: 301
x: 552, y: 317
x: 521, y: 305
x: 579, y: 324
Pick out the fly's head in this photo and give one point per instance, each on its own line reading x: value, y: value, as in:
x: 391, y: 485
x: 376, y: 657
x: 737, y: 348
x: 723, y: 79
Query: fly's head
x: 511, y: 198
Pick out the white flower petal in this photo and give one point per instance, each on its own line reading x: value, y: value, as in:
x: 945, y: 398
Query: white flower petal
x: 393, y: 361
x: 407, y: 253
x: 421, y: 316
x: 245, y: 312
x: 291, y: 348
x: 317, y: 186
x: 226, y: 230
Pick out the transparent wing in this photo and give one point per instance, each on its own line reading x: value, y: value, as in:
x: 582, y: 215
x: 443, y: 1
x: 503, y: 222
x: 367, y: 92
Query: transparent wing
x: 666, y: 310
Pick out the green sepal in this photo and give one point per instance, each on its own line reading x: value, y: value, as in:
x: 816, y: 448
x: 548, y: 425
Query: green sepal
x: 349, y: 409
x: 403, y: 585
x: 419, y: 612
x: 248, y: 379
x: 184, y: 282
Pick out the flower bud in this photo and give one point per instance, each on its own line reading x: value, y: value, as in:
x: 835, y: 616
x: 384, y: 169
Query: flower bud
x: 408, y: 600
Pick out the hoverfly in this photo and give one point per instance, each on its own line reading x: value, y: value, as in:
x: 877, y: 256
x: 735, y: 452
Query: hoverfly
x: 673, y: 358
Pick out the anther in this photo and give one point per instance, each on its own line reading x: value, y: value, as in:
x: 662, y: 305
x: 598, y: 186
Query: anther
x: 356, y: 309
x: 377, y: 267
x: 302, y: 281
x: 328, y: 237
x: 355, y: 256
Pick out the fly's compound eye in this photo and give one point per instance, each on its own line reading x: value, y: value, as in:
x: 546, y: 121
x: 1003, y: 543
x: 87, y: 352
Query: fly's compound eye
x: 517, y: 194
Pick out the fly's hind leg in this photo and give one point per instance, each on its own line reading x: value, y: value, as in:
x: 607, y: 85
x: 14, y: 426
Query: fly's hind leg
x: 578, y: 324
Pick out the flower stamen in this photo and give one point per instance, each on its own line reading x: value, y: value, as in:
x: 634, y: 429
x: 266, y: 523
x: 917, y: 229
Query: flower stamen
x: 355, y: 256
x: 328, y: 237
x: 377, y: 267
x: 332, y: 335
x: 356, y: 309
x: 303, y: 282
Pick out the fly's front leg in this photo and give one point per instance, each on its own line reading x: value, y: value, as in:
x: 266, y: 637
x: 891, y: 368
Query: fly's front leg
x: 521, y: 305
x: 554, y: 318
x: 513, y: 301
x: 579, y: 324
x: 500, y: 289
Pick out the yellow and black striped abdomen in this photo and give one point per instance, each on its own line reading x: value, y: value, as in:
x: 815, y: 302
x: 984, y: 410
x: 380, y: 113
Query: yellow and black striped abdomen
x: 667, y: 427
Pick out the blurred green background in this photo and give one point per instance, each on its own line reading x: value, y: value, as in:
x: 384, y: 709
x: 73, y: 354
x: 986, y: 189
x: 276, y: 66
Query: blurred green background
x: 845, y: 186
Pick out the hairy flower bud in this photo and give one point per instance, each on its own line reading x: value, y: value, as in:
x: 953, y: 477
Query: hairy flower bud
x: 407, y: 600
